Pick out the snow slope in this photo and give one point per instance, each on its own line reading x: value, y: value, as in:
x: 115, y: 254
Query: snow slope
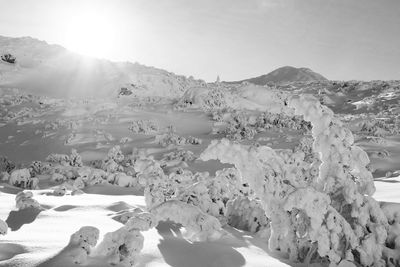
x: 51, y: 70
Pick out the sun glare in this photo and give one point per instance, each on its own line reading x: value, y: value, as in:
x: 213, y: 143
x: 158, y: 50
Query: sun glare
x: 91, y: 34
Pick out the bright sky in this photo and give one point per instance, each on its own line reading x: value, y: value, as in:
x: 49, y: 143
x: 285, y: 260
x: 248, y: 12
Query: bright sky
x: 236, y: 39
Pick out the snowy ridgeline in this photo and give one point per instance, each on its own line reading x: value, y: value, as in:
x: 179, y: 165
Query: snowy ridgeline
x: 313, y: 204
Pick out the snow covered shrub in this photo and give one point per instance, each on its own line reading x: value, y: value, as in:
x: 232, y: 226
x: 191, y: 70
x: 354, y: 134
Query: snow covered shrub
x: 170, y: 138
x: 247, y: 214
x: 158, y: 188
x: 229, y: 183
x: 116, y: 154
x: 200, y: 225
x: 60, y: 191
x: 141, y: 221
x: 6, y: 165
x: 3, y: 227
x: 114, y: 159
x: 332, y: 214
x: 25, y: 200
x: 38, y: 167
x: 268, y: 120
x: 239, y: 127
x: 74, y: 159
x: 214, y: 100
x: 22, y: 178
x: 219, y: 115
x: 391, y: 252
x: 81, y: 243
x: 61, y: 159
x: 144, y: 127
x: 193, y: 140
x: 58, y: 177
x: 123, y: 180
x: 177, y: 156
x: 93, y: 177
x: 121, y: 247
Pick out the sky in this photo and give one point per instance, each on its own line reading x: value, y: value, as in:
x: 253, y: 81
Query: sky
x: 235, y: 39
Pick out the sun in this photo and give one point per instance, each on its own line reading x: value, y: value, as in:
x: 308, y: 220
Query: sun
x: 92, y: 34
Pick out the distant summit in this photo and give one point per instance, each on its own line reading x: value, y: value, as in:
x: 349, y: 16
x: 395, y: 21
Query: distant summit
x: 286, y: 74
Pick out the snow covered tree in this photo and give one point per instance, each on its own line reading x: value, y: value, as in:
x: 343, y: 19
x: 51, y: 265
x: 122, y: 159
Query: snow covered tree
x: 331, y: 213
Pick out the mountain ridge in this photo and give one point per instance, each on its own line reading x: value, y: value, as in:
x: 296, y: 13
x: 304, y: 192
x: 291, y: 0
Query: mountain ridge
x: 285, y: 74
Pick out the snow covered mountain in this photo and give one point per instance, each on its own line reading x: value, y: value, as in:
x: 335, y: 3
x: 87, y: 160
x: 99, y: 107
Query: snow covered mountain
x: 41, y: 68
x: 286, y: 74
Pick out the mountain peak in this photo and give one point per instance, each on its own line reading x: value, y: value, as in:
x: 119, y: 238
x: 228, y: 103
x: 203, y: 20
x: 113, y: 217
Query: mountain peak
x: 286, y: 74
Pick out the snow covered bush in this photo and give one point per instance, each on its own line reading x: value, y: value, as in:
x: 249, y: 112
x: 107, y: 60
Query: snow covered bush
x: 214, y: 100
x: 123, y: 246
x: 141, y: 221
x: 144, y: 127
x: 62, y: 159
x: 247, y: 214
x: 113, y: 161
x: 25, y: 200
x: 3, y: 227
x: 177, y: 156
x: 74, y: 159
x: 193, y: 140
x: 60, y: 191
x: 331, y: 213
x: 170, y: 139
x: 391, y: 252
x: 81, y: 243
x: 239, y: 127
x: 38, y: 167
x: 22, y: 178
x: 379, y: 127
x: 123, y: 180
x: 269, y: 120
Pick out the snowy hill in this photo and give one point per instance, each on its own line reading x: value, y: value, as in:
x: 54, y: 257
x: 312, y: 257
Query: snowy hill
x: 286, y: 74
x: 52, y: 70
